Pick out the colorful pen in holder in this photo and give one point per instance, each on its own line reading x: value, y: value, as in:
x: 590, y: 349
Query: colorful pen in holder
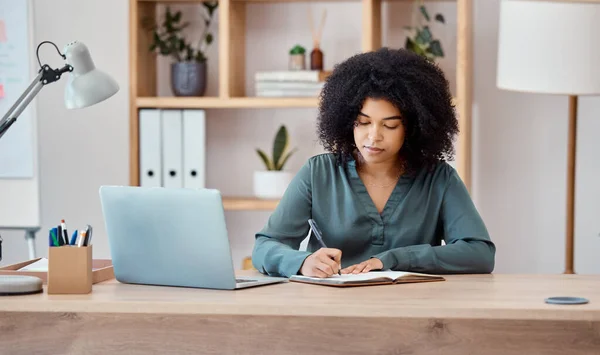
x: 58, y: 236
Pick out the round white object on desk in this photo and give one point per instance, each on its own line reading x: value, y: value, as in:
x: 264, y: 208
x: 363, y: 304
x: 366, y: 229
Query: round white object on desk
x: 12, y: 285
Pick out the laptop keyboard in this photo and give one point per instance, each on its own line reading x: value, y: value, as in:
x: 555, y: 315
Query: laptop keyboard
x: 244, y: 280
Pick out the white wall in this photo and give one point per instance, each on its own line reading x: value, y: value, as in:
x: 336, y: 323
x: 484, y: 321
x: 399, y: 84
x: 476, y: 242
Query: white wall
x: 520, y: 139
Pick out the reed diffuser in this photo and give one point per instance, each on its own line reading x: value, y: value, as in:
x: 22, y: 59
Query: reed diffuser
x: 316, y: 55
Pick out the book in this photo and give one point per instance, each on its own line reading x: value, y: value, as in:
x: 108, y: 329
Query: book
x: 368, y: 278
x: 314, y: 76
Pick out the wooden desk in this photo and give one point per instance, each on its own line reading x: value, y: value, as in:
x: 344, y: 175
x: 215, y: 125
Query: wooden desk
x: 482, y: 314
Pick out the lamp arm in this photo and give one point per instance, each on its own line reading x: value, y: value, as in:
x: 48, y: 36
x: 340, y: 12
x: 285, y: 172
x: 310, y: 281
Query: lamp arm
x: 46, y: 76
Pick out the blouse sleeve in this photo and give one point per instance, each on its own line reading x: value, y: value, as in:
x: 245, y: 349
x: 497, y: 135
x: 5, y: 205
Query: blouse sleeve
x: 276, y: 246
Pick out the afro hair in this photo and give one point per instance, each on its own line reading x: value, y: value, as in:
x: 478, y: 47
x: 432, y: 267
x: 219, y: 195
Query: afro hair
x: 416, y: 86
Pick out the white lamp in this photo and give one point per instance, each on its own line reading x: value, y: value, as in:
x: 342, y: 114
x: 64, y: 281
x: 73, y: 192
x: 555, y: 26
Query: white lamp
x: 87, y: 85
x: 552, y: 47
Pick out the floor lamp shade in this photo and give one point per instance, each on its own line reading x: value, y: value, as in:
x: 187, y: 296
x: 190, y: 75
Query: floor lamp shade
x: 550, y: 47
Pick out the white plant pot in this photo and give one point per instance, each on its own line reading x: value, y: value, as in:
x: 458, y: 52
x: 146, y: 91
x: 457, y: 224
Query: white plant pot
x: 271, y: 184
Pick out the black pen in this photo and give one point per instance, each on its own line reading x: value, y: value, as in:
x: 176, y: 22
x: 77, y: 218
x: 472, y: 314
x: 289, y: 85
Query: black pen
x: 313, y: 226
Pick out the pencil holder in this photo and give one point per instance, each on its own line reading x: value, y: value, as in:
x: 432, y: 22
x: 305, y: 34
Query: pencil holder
x: 70, y: 269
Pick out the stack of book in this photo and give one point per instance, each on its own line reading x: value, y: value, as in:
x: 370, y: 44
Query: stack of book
x: 292, y: 83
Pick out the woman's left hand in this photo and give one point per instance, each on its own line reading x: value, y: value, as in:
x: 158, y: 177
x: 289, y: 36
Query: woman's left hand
x: 365, y: 266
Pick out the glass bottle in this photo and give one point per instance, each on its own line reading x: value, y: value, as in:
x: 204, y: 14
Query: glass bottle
x: 316, y: 59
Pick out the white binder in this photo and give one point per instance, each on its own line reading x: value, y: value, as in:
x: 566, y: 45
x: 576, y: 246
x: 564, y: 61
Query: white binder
x: 150, y: 148
x: 172, y: 134
x: 194, y: 148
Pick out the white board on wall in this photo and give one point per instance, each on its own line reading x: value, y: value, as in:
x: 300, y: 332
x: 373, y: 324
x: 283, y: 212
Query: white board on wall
x: 16, y: 146
x: 19, y: 180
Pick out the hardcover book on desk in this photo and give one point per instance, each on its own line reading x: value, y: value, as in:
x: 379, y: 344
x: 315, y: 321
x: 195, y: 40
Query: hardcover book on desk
x: 368, y: 278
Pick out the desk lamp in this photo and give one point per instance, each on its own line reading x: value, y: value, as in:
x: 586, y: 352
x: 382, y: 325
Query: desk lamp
x: 552, y: 47
x: 87, y: 86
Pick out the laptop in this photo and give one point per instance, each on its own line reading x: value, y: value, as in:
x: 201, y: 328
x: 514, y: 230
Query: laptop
x: 171, y: 237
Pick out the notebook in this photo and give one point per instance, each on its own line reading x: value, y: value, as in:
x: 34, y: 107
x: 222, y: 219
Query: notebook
x: 368, y: 278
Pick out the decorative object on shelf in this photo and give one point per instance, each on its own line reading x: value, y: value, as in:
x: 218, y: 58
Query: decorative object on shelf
x: 189, y: 67
x: 273, y: 182
x: 420, y: 39
x: 297, y: 58
x: 316, y: 55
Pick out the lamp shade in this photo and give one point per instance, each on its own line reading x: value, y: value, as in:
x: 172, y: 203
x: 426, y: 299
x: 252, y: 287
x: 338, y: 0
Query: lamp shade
x: 550, y: 47
x: 87, y: 85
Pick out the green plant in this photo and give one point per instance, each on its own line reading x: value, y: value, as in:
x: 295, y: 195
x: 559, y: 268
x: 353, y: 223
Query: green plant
x: 168, y: 40
x: 420, y: 39
x: 297, y: 49
x: 280, y: 146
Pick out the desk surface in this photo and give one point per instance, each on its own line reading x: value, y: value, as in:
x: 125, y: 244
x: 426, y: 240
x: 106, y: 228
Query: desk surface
x: 460, y: 296
x: 482, y: 314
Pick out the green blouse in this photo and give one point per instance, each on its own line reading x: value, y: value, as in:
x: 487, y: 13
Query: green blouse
x: 431, y: 206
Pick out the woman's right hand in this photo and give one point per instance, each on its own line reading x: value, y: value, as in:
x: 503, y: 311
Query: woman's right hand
x: 324, y: 262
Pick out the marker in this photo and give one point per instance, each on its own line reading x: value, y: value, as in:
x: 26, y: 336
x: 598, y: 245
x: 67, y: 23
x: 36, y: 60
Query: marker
x: 54, y: 239
x: 74, y: 237
x: 65, y: 235
x: 313, y: 226
x: 81, y: 237
x: 59, y: 236
x: 88, y: 235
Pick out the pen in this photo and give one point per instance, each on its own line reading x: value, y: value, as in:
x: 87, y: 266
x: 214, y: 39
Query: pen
x: 313, y: 226
x: 65, y: 235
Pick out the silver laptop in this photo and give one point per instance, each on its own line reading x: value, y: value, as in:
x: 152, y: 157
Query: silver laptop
x: 171, y: 237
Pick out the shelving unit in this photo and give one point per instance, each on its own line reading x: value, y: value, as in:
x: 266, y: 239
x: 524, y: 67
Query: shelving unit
x: 231, y: 95
x: 216, y: 102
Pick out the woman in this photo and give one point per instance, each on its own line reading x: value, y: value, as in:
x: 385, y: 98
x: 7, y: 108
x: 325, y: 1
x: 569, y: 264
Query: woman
x: 384, y: 196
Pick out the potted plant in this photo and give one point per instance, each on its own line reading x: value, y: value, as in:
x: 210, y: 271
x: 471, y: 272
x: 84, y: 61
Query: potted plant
x: 297, y: 58
x: 420, y: 39
x: 272, y: 182
x: 189, y: 67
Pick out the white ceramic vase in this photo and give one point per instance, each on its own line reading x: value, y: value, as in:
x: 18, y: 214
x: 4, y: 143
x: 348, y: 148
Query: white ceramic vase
x: 271, y: 184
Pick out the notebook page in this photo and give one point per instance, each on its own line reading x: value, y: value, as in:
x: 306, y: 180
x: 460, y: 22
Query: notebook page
x: 358, y: 277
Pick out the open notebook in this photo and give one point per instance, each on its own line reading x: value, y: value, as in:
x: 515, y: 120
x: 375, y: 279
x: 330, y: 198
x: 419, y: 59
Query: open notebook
x: 368, y: 278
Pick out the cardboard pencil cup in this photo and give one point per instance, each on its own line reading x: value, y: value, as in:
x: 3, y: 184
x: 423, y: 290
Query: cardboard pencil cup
x: 70, y: 270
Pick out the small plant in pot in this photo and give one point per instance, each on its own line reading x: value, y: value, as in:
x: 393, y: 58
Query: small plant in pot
x: 189, y: 67
x: 272, y: 182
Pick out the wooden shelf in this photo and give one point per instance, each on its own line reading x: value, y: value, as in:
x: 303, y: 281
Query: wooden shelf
x: 269, y: 1
x: 234, y: 102
x: 232, y: 75
x: 248, y: 203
